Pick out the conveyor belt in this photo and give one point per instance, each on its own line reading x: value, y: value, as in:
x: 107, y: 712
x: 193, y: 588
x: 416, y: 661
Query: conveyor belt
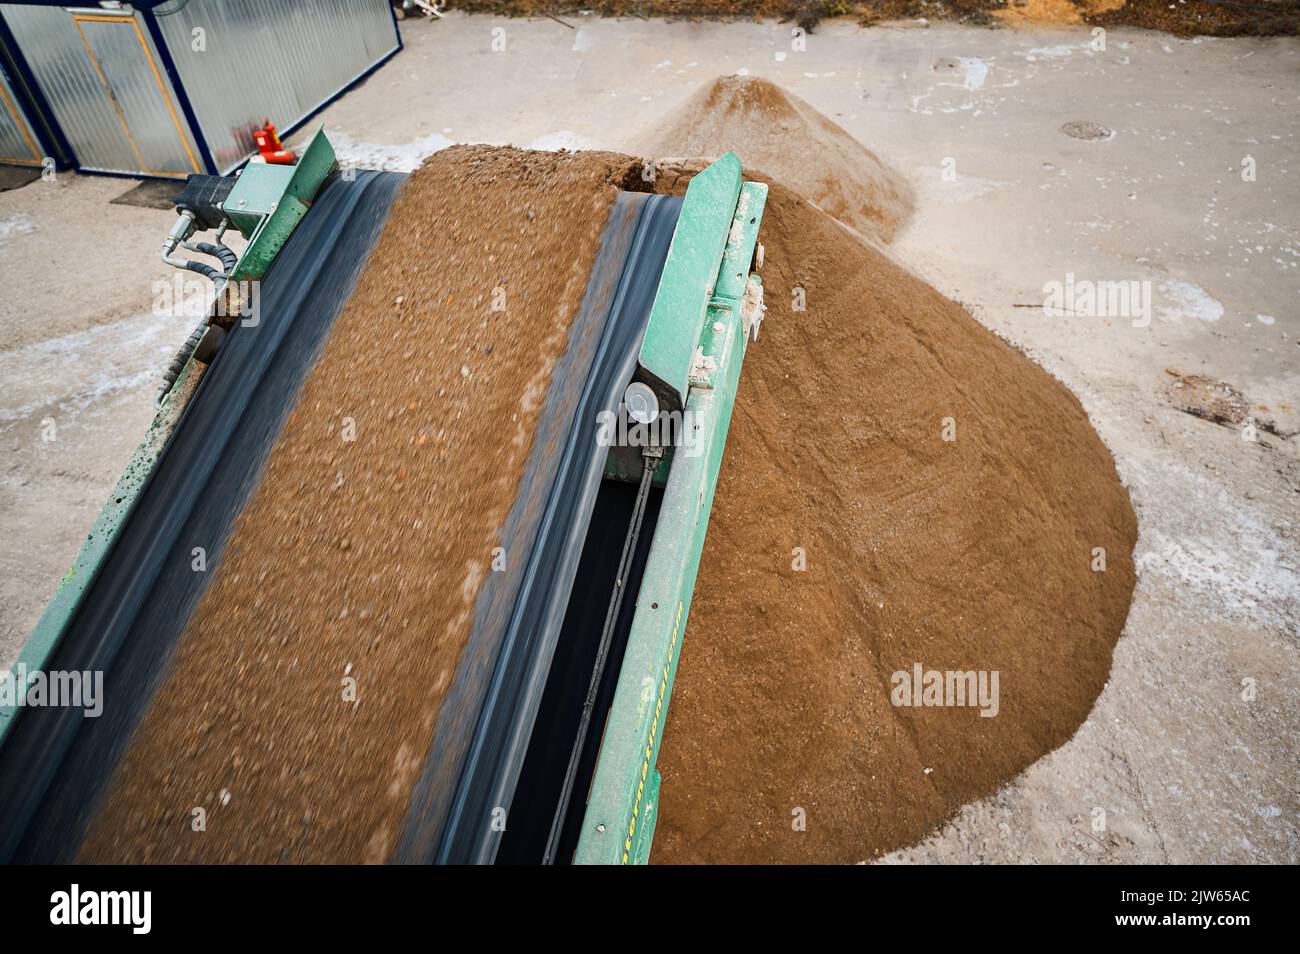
x: 55, y: 765
x: 486, y: 723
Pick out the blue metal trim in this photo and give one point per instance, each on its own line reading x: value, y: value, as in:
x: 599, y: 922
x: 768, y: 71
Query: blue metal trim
x: 329, y: 100
x: 64, y: 156
x: 179, y: 179
x: 142, y: 5
x: 178, y: 88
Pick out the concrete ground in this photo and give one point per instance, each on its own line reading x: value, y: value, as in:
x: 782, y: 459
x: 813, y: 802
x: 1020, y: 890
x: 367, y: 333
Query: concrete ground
x: 1191, y: 751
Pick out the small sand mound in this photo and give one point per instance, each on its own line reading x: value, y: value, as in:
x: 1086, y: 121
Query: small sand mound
x: 967, y: 555
x: 773, y: 130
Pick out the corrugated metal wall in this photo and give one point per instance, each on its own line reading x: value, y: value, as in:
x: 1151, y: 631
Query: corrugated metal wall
x: 100, y: 74
x: 268, y: 59
x: 17, y: 141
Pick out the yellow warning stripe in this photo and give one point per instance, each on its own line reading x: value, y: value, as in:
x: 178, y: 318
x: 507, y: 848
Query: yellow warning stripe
x: 194, y: 163
x: 78, y: 19
x: 22, y: 128
x: 654, y: 731
x: 108, y: 90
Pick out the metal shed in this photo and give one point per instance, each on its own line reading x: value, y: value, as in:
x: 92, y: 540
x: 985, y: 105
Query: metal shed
x: 172, y: 87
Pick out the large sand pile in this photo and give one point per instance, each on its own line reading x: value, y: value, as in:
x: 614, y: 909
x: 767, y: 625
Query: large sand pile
x: 363, y: 558
x: 773, y: 130
x: 974, y: 554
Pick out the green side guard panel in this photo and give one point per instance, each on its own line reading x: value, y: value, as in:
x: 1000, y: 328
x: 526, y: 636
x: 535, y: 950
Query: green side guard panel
x: 268, y: 202
x: 690, y: 272
x: 701, y: 325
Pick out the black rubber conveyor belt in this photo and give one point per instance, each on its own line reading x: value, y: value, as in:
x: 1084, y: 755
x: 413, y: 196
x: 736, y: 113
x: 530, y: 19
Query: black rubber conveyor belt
x: 55, y: 765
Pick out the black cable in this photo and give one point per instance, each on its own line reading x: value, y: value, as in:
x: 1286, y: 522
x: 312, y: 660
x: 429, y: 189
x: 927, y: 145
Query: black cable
x: 218, y: 277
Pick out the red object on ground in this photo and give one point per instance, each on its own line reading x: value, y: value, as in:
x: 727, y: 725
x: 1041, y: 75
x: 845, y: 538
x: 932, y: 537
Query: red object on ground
x: 270, y: 148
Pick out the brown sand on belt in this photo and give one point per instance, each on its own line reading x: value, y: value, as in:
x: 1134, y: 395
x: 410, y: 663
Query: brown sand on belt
x: 969, y: 555
x: 368, y: 554
x: 778, y: 132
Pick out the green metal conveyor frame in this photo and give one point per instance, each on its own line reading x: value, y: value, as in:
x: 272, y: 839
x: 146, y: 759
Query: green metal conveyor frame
x: 706, y: 307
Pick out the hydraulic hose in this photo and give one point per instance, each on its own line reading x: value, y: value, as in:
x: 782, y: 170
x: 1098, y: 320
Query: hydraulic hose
x: 227, y: 255
x: 206, y: 270
x: 179, y: 359
x: 219, y: 277
x: 218, y: 280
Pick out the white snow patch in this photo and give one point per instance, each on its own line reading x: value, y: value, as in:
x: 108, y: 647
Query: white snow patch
x: 397, y: 157
x: 1053, y: 52
x: 961, y: 189
x: 564, y: 139
x: 974, y: 69
x: 1188, y: 301
x: 1265, y: 319
x: 406, y: 157
x: 15, y: 225
x: 77, y: 370
x: 1234, y: 553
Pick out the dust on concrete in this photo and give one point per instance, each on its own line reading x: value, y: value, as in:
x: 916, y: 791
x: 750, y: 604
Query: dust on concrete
x: 1185, y: 18
x: 83, y: 343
